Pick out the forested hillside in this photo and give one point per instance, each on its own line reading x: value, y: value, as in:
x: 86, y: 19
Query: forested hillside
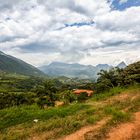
x: 13, y: 65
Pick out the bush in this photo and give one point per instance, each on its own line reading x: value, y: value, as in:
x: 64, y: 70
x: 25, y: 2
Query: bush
x: 66, y: 96
x: 82, y: 97
x: 48, y: 89
x: 71, y: 97
x: 42, y: 101
x: 15, y: 99
x: 101, y: 86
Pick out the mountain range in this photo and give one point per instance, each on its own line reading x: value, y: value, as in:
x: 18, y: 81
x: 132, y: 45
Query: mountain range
x: 11, y: 64
x: 76, y: 70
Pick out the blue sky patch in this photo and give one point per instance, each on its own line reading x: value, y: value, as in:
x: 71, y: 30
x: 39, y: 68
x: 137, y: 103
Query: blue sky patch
x: 77, y: 24
x: 122, y: 6
x: 80, y: 24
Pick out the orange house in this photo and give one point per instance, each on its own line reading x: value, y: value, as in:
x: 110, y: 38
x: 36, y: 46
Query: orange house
x: 79, y: 91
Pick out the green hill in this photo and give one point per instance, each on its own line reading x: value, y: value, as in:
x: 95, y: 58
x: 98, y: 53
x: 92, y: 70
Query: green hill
x: 11, y: 64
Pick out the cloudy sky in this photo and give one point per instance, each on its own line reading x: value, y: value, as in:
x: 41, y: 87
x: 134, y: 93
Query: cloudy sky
x: 72, y: 31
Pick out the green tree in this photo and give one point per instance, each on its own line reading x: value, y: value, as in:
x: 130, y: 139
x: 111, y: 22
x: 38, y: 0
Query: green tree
x: 108, y: 79
x: 132, y: 73
x: 47, y: 93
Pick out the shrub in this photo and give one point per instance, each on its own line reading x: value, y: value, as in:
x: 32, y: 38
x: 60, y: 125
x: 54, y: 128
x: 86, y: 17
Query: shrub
x: 15, y: 99
x: 82, y: 97
x: 67, y: 96
x: 42, y: 101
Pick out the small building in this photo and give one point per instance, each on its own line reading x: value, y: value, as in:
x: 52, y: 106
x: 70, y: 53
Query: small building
x: 79, y: 91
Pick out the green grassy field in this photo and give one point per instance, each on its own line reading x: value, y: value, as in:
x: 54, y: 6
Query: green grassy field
x: 18, y: 122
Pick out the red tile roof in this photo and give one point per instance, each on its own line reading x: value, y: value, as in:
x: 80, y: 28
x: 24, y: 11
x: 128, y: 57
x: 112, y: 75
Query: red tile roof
x: 78, y: 91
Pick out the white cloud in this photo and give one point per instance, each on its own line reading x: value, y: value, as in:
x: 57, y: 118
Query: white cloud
x: 126, y: 20
x: 34, y: 31
x: 122, y: 1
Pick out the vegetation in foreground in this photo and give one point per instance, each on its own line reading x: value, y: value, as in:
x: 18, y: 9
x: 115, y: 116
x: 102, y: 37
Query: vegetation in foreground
x: 22, y: 99
x: 18, y: 122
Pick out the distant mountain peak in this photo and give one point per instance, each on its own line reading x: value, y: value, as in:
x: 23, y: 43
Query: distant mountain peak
x: 102, y: 65
x: 56, y: 63
x: 121, y: 65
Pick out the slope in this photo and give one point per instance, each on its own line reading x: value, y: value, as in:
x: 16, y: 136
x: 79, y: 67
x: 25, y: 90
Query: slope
x: 11, y: 64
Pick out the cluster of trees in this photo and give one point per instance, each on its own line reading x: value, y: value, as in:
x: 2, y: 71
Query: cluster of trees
x: 30, y: 90
x: 28, y: 84
x: 13, y: 99
x: 49, y: 93
x: 46, y: 94
x: 118, y: 77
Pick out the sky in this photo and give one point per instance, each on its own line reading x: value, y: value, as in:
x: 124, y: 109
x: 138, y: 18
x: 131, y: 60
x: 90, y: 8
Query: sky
x: 73, y: 31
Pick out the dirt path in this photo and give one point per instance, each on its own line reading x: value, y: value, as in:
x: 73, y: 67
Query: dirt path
x: 79, y: 135
x: 126, y: 131
x: 44, y: 135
